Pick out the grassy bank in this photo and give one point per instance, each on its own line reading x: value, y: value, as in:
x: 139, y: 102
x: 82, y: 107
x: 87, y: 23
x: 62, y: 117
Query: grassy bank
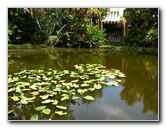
x: 112, y: 47
x: 129, y: 48
x: 20, y: 46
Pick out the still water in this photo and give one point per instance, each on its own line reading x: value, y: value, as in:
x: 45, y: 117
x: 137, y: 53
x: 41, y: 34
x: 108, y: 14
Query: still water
x: 136, y: 99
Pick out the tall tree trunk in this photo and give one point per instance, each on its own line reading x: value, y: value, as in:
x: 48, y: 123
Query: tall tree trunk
x: 33, y: 13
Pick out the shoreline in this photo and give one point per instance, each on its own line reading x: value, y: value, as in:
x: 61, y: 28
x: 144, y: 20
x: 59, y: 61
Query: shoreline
x: 111, y: 47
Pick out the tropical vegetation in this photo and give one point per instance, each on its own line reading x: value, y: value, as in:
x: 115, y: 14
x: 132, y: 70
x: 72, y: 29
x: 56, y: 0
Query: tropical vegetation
x: 143, y: 27
x: 67, y: 27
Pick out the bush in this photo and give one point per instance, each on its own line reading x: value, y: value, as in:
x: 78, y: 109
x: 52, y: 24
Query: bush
x: 152, y: 37
x: 94, y: 36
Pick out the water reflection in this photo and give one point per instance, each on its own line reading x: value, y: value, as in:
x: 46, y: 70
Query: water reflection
x: 136, y: 99
x: 141, y: 81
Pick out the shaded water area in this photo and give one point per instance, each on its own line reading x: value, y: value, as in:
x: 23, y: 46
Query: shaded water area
x: 136, y: 99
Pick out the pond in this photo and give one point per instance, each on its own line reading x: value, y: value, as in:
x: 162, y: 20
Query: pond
x: 136, y: 98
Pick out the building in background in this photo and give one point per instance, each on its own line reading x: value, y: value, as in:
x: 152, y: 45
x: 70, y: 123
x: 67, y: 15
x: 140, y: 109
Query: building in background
x: 115, y: 25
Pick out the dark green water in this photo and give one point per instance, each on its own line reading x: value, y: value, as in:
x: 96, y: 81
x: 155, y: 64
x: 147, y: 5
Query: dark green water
x: 136, y: 99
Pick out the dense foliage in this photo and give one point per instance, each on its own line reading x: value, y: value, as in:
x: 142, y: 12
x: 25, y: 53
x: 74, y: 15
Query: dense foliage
x: 22, y: 28
x: 143, y: 27
x: 67, y: 27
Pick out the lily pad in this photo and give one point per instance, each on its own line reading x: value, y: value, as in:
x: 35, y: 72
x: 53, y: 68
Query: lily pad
x: 44, y: 96
x: 88, y: 97
x: 62, y: 85
x: 97, y: 86
x: 34, y: 87
x: 22, y: 83
x: 65, y: 97
x: 91, y: 89
x: 47, y: 101
x: 11, y: 89
x: 54, y: 81
x: 31, y: 98
x: 11, y: 111
x: 10, y: 80
x: 34, y: 117
x: 66, y: 72
x: 84, y: 85
x: 58, y: 89
x: 35, y: 93
x: 46, y: 111
x: 61, y: 107
x: 26, y: 89
x: 75, y: 85
x: 81, y: 91
x: 24, y: 101
x: 121, y: 75
x: 60, y: 113
x: 74, y: 81
x: 18, y: 89
x: 15, y: 98
x: 112, y: 83
x: 118, y: 80
x: 40, y: 108
x: 43, y: 83
x: 115, y: 84
x: 75, y: 97
x: 55, y: 102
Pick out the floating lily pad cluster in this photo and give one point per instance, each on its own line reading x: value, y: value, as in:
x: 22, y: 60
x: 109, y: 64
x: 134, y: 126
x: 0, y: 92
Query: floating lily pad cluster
x: 56, y: 87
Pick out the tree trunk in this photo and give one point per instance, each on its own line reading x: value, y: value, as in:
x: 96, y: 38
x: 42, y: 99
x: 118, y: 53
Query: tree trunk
x: 33, y: 13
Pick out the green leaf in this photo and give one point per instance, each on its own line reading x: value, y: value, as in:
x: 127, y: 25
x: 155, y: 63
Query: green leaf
x: 40, y: 108
x: 24, y: 101
x: 121, y: 75
x: 11, y: 89
x: 61, y: 113
x: 65, y: 97
x: 44, y: 96
x: 34, y: 117
x: 35, y: 93
x: 22, y: 83
x: 61, y: 107
x: 74, y: 81
x: 58, y: 89
x: 91, y: 89
x: 97, y: 86
x: 15, y: 98
x: 75, y: 85
x: 18, y: 89
x: 55, y: 102
x: 10, y: 80
x: 81, y: 91
x: 119, y: 80
x: 31, y: 98
x: 84, y: 85
x: 26, y: 89
x: 66, y: 72
x: 88, y: 81
x: 47, y: 101
x: 102, y: 78
x: 46, y: 111
x: 34, y: 87
x: 115, y: 84
x: 75, y: 97
x: 44, y: 83
x: 11, y: 111
x: 112, y: 83
x: 88, y: 97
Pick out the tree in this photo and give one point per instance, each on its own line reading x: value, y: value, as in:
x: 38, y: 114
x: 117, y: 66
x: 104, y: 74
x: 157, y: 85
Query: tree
x: 141, y: 21
x: 66, y: 27
x: 22, y: 27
